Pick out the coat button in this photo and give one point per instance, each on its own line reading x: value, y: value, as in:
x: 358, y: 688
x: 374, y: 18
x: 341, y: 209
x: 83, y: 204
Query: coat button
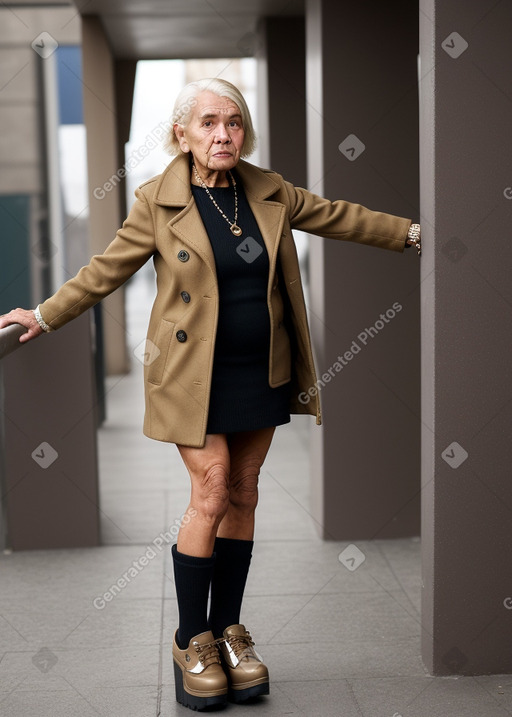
x: 183, y: 255
x: 185, y: 296
x: 181, y: 336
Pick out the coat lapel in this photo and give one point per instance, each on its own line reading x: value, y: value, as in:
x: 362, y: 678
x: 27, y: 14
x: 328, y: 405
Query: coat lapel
x: 189, y: 227
x: 269, y: 215
x: 173, y: 190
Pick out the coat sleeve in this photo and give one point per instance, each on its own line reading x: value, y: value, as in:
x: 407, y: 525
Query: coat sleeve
x: 344, y: 220
x: 132, y: 246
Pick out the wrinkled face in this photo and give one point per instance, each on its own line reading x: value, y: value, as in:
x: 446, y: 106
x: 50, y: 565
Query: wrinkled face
x: 214, y: 133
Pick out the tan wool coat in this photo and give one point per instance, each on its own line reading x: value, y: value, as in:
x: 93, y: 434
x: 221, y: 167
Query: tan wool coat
x: 164, y: 223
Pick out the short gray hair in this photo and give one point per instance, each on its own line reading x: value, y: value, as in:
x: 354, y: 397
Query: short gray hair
x: 186, y: 101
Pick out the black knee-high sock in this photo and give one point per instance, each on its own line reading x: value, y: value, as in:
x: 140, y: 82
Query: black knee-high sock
x: 192, y: 577
x: 232, y: 562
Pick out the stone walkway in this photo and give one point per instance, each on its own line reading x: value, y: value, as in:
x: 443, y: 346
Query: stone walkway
x: 339, y: 642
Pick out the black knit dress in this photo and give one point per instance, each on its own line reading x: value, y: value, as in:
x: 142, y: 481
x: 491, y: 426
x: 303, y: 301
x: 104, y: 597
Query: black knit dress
x: 241, y: 398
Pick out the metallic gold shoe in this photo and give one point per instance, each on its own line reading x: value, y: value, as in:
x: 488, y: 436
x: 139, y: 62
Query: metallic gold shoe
x: 200, y: 680
x: 247, y: 675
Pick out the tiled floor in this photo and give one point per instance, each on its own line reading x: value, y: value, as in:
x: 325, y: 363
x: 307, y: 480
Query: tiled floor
x: 338, y: 643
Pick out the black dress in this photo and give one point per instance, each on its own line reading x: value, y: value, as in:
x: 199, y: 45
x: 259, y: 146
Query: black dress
x: 241, y: 398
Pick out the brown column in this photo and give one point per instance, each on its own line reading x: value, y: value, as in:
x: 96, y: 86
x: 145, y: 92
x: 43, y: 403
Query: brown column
x: 104, y: 183
x: 466, y: 180
x: 282, y: 96
x: 50, y: 485
x: 363, y: 147
x: 124, y: 77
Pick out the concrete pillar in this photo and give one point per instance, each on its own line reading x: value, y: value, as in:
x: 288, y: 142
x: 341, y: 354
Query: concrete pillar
x: 50, y: 481
x: 104, y: 183
x: 9, y: 342
x: 466, y: 183
x: 282, y: 96
x: 124, y: 78
x: 361, y: 80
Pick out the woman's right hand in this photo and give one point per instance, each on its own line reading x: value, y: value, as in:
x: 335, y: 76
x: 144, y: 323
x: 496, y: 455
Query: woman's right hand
x: 24, y: 317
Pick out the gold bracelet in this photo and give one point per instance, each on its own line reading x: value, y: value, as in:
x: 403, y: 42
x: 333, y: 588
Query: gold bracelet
x: 414, y: 234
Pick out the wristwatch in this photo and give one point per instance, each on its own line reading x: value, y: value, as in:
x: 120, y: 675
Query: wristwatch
x: 414, y: 237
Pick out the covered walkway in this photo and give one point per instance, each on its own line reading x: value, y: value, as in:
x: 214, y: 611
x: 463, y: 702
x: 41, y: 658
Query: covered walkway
x: 72, y: 644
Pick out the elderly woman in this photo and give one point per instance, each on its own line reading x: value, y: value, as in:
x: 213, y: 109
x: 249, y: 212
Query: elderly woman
x: 228, y: 353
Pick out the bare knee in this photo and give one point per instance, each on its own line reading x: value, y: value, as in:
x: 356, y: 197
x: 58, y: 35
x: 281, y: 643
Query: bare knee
x: 243, y: 487
x: 211, y: 492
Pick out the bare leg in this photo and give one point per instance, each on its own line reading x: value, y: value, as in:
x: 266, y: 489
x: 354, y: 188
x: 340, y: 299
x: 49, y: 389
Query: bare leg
x: 224, y: 488
x: 247, y: 451
x: 209, y: 500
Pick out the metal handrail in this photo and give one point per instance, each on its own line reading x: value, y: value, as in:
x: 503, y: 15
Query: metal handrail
x: 9, y: 339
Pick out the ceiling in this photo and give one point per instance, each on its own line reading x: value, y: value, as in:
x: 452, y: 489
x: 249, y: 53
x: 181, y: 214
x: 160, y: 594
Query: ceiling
x: 168, y: 29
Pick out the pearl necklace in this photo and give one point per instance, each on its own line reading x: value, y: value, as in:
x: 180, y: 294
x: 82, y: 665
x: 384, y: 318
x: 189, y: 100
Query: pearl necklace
x: 235, y: 229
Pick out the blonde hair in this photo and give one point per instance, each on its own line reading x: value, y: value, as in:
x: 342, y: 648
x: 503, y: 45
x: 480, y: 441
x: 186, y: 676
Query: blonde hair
x: 186, y: 101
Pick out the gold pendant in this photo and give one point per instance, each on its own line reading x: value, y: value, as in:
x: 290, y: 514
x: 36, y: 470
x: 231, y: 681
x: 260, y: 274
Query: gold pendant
x: 235, y: 229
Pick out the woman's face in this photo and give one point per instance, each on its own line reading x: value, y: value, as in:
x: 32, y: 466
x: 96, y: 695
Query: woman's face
x: 214, y: 134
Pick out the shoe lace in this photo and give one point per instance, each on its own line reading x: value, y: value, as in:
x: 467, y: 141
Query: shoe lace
x: 208, y: 653
x: 240, y: 644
